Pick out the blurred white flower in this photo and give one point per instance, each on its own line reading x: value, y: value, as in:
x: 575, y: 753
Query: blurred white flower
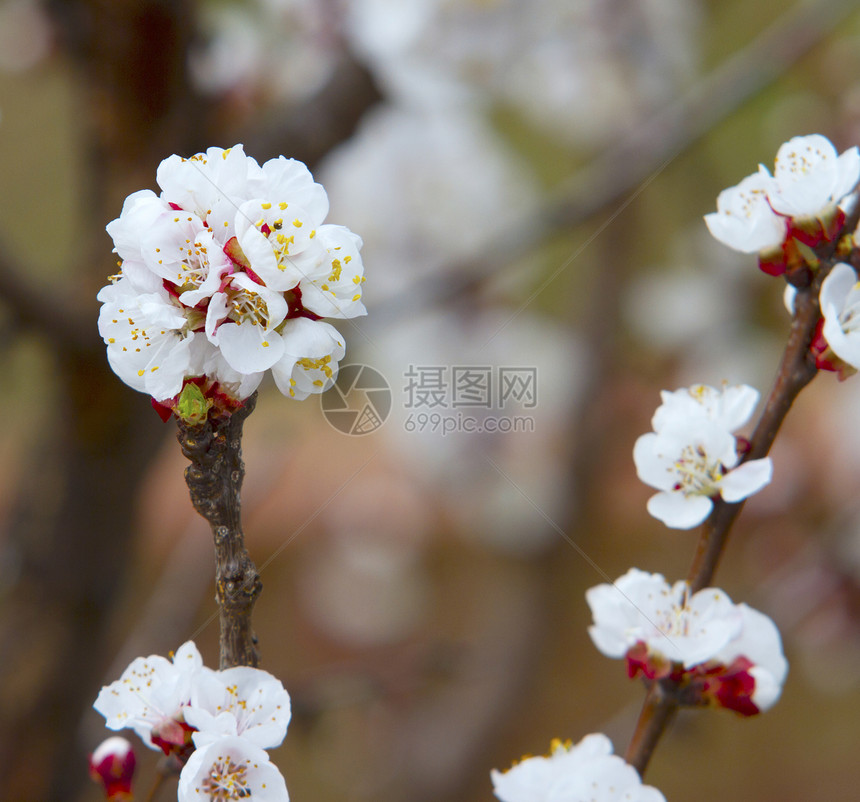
x: 726, y: 654
x: 692, y: 454
x: 809, y: 177
x: 744, y: 219
x: 729, y: 406
x: 840, y: 308
x: 573, y: 772
x: 151, y: 696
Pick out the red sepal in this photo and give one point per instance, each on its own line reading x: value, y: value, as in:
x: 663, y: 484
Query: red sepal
x: 164, y: 412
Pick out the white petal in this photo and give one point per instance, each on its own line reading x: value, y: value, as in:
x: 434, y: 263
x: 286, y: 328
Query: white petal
x: 746, y: 479
x: 679, y: 511
x: 248, y: 348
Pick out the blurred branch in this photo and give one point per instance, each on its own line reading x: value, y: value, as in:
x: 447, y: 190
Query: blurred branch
x: 625, y: 166
x: 309, y: 131
x: 33, y: 305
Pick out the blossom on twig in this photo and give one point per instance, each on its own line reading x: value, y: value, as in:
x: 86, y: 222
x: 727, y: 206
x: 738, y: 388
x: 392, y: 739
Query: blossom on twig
x: 587, y: 771
x: 217, y: 723
x: 840, y: 330
x: 692, y: 456
x: 719, y: 653
x: 805, y: 201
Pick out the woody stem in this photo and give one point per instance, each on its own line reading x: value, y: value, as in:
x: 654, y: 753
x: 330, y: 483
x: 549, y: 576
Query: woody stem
x: 214, y: 480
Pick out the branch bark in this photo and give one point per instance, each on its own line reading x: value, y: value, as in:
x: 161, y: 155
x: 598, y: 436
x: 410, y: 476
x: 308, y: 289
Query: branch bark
x: 214, y: 480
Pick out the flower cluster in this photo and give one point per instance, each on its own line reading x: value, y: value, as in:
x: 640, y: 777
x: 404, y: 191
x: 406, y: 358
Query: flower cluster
x: 587, y: 771
x: 217, y: 723
x: 716, y: 652
x: 804, y: 201
x: 692, y: 456
x: 225, y: 275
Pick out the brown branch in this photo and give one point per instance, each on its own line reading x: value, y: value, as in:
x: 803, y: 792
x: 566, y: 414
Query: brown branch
x: 39, y: 306
x: 214, y: 480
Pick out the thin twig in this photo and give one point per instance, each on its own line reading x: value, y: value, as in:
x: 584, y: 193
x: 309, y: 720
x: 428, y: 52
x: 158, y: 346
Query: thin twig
x: 214, y: 480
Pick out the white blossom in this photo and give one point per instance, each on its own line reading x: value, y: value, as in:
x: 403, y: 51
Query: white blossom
x: 149, y: 344
x: 643, y: 618
x: 840, y: 308
x: 240, y: 701
x: 231, y: 768
x: 583, y: 772
x: 309, y: 365
x: 729, y: 406
x: 151, y: 696
x: 744, y: 220
x: 692, y: 456
x: 690, y: 464
x: 809, y: 178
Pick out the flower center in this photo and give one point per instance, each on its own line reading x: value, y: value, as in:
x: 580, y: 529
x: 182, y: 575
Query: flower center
x: 751, y: 201
x: 194, y: 267
x: 696, y: 474
x: 227, y: 780
x: 248, y: 306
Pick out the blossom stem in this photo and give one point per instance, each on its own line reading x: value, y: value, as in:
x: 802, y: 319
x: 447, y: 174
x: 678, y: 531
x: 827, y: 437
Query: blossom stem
x: 657, y: 711
x: 796, y: 371
x: 214, y: 480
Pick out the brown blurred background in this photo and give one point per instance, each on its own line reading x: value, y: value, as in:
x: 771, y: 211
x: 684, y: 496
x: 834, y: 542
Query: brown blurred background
x: 529, y: 179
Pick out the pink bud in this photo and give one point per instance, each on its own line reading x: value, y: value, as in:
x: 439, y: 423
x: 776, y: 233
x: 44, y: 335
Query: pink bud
x: 112, y: 764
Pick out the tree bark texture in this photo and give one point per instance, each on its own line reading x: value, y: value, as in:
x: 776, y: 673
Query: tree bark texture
x: 214, y: 480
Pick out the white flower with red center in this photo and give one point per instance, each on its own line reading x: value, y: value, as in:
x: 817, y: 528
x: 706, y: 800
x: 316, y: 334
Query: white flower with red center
x: 231, y: 768
x: 151, y: 696
x: 692, y: 457
x: 720, y: 653
x: 744, y: 219
x: 226, y: 275
x: 810, y: 179
x: 243, y: 321
x: 583, y: 772
x: 840, y: 310
x: 241, y: 701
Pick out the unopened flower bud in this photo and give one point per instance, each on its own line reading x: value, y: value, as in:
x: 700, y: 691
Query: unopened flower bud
x: 112, y: 764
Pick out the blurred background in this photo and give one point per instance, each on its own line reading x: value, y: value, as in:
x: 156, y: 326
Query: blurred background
x: 529, y: 179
